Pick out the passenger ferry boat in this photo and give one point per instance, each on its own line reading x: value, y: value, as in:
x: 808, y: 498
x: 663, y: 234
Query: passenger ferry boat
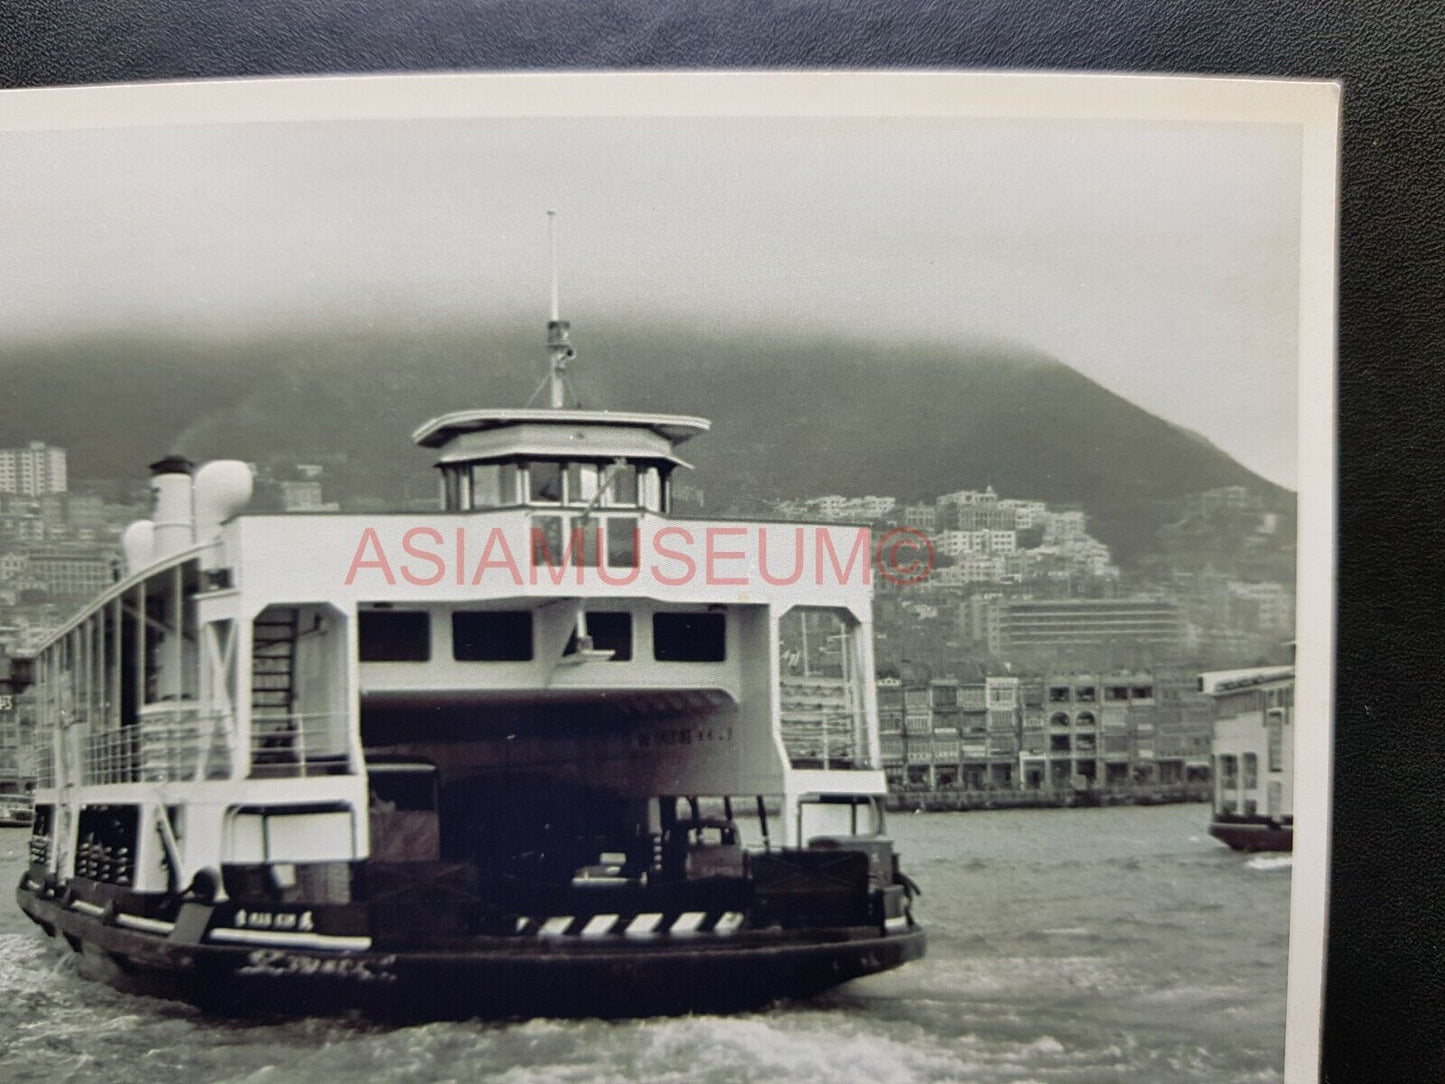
x: 1253, y: 757
x: 551, y: 750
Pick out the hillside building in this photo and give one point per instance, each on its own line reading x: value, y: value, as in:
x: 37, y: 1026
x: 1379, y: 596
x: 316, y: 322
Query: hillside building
x: 34, y: 470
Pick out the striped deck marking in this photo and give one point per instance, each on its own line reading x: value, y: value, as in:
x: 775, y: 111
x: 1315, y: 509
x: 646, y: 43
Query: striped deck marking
x: 687, y: 922
x: 87, y: 908
x: 289, y: 940
x: 555, y: 927
x: 522, y: 923
x: 730, y: 922
x: 140, y: 922
x: 893, y: 925
x: 599, y: 925
x: 644, y: 925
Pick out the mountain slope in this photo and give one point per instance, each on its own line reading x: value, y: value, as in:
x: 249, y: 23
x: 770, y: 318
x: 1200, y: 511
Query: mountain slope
x: 793, y: 414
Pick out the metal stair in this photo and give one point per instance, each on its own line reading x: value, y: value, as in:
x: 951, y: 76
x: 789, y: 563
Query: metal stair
x: 275, y: 730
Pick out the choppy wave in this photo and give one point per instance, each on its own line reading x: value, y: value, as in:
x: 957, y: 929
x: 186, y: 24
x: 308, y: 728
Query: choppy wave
x: 1271, y: 861
x: 1052, y: 960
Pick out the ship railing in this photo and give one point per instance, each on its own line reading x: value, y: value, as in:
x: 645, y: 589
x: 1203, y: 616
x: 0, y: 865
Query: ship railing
x: 298, y: 744
x: 164, y: 746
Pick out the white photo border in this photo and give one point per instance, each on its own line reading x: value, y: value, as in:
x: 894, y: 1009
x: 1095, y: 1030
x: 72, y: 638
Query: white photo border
x: 1313, y: 106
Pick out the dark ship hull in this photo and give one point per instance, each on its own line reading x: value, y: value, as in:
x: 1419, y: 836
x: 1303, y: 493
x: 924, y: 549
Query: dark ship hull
x: 574, y: 965
x: 1259, y: 834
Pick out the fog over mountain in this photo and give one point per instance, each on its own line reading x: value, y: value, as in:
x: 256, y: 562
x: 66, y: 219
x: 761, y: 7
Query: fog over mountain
x: 794, y: 414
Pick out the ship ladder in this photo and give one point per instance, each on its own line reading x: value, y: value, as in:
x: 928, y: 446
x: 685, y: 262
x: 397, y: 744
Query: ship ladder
x: 278, y: 744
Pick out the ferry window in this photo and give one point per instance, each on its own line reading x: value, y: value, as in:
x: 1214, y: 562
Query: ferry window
x: 451, y: 490
x: 494, y: 485
x: 492, y: 635
x: 393, y: 635
x: 1276, y: 795
x: 545, y: 482
x: 622, y: 542
x: 1276, y: 741
x: 1251, y: 771
x: 610, y: 632
x: 581, y: 483
x: 1228, y: 770
x: 685, y: 637
x: 621, y: 485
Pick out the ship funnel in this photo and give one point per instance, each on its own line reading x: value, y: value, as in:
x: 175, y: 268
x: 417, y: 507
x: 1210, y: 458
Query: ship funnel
x: 223, y: 487
x: 171, y: 506
x: 137, y: 542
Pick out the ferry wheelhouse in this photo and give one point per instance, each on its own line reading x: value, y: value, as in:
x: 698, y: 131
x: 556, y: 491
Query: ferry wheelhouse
x: 550, y: 749
x: 1253, y: 757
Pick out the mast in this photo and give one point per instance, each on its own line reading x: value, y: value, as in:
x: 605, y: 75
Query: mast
x: 558, y: 347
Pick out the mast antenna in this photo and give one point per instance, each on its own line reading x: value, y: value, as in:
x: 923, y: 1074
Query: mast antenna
x: 558, y: 330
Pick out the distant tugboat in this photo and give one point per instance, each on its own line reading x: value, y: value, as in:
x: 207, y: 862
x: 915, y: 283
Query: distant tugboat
x: 1253, y: 757
x: 511, y: 758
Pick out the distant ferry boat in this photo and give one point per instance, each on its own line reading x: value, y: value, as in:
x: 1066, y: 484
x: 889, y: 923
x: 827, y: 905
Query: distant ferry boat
x: 16, y: 810
x: 1253, y: 757
x: 510, y: 758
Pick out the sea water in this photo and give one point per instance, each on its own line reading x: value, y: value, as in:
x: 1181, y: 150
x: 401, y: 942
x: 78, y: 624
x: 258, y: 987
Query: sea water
x: 1065, y: 945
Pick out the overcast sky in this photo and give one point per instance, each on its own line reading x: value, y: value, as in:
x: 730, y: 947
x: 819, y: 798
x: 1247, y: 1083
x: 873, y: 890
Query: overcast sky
x: 1160, y: 260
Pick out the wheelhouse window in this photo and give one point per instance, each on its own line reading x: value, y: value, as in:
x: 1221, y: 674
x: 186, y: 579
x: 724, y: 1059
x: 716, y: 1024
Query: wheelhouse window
x: 622, y: 542
x: 689, y: 637
x: 492, y: 635
x: 621, y: 481
x: 393, y: 635
x: 1251, y: 771
x: 493, y: 485
x: 582, y: 482
x: 547, y: 549
x: 544, y: 482
x: 582, y: 540
x: 652, y: 486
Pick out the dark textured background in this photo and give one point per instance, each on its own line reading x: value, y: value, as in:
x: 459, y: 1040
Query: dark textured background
x: 1386, y: 985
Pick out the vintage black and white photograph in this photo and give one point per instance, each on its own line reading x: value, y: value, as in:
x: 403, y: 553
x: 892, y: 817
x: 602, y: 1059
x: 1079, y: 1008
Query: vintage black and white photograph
x: 814, y: 577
